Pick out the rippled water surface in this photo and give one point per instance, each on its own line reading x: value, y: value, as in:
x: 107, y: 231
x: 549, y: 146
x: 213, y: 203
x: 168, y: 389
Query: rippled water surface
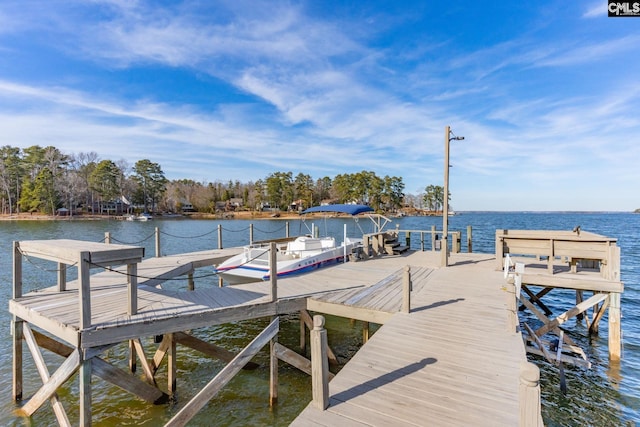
x: 606, y: 395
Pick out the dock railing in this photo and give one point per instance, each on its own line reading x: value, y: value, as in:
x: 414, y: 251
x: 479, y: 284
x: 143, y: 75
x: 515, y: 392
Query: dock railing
x: 376, y: 244
x: 576, y: 248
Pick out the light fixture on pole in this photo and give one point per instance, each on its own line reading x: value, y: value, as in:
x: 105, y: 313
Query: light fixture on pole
x: 444, y: 246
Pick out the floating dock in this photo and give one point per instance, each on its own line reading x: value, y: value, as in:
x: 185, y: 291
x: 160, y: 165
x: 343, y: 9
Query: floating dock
x: 450, y: 351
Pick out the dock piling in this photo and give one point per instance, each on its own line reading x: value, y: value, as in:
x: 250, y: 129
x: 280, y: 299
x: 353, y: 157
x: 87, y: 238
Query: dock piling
x: 273, y: 368
x: 615, y: 347
x: 406, y: 289
x: 434, y: 237
x: 17, y: 324
x: 319, y: 364
x: 530, y: 395
x: 273, y: 271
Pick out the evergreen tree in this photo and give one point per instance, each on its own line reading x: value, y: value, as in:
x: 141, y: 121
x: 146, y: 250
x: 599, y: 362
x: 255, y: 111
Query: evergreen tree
x: 151, y: 181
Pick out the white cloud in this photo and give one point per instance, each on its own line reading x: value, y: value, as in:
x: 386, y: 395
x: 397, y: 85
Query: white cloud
x: 596, y: 9
x: 322, y: 100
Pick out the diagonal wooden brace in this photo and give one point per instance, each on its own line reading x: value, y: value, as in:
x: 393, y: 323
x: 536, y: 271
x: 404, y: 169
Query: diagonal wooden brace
x: 224, y: 376
x: 537, y: 298
x: 41, y: 366
x: 580, y: 308
x: 209, y: 349
x: 556, y: 329
x: 108, y: 372
x: 64, y: 372
x: 146, y: 366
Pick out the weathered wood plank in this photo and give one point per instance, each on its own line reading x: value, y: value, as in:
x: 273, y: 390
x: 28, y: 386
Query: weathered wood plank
x: 228, y: 372
x: 294, y: 359
x: 584, y: 305
x: 64, y: 372
x: 209, y: 349
x: 43, y: 371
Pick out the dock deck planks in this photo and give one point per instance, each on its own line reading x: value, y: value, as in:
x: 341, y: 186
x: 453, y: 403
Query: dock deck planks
x: 57, y: 312
x: 454, y: 360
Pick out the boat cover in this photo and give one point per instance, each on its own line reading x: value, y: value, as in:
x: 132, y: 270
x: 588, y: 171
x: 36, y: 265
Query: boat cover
x: 348, y: 209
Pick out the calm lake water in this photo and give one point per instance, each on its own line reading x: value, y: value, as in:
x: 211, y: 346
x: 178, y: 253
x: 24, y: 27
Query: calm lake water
x: 603, y: 396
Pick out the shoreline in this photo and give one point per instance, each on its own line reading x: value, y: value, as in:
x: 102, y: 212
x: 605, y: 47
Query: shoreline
x: 90, y: 217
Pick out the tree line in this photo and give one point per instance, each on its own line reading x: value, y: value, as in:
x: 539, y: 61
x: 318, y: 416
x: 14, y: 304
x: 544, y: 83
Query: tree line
x: 43, y: 179
x: 37, y: 179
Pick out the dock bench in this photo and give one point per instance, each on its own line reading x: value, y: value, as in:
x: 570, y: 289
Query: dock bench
x: 589, y: 250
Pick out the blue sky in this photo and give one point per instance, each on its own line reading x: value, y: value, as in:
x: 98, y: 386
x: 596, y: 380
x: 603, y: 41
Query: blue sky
x: 546, y: 93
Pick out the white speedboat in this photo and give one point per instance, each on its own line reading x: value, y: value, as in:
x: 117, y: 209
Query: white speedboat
x: 142, y: 217
x: 301, y: 255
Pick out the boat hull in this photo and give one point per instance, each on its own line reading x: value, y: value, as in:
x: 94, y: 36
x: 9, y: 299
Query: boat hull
x: 245, y: 269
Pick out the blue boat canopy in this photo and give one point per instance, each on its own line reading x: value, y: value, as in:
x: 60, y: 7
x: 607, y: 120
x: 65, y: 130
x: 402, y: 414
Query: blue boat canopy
x: 347, y: 209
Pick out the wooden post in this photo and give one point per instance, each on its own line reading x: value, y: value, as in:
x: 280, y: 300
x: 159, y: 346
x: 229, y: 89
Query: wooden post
x: 422, y: 241
x: 469, y: 239
x: 286, y: 229
x: 303, y: 334
x: 107, y: 237
x: 615, y: 345
x: 579, y: 299
x: 17, y: 324
x: 85, y: 392
x: 158, y: 243
x: 456, y: 241
x: 132, y: 357
x: 17, y: 332
x: 319, y: 364
x: 273, y: 271
x: 171, y: 364
x: 407, y: 238
x: 190, y: 283
x: 406, y: 289
x: 500, y: 247
x: 344, y: 239
x: 219, y: 236
x: 84, y: 289
x: 132, y: 288
x: 529, y: 395
x: 365, y: 332
x: 251, y: 234
x: 365, y: 245
x: 62, y: 277
x: 433, y: 237
x: 273, y: 369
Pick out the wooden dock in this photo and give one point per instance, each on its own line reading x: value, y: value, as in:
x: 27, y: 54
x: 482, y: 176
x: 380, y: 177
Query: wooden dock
x: 449, y: 352
x: 455, y: 359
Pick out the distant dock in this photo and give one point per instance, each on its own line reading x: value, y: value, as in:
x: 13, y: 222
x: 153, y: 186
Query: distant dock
x: 450, y: 351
